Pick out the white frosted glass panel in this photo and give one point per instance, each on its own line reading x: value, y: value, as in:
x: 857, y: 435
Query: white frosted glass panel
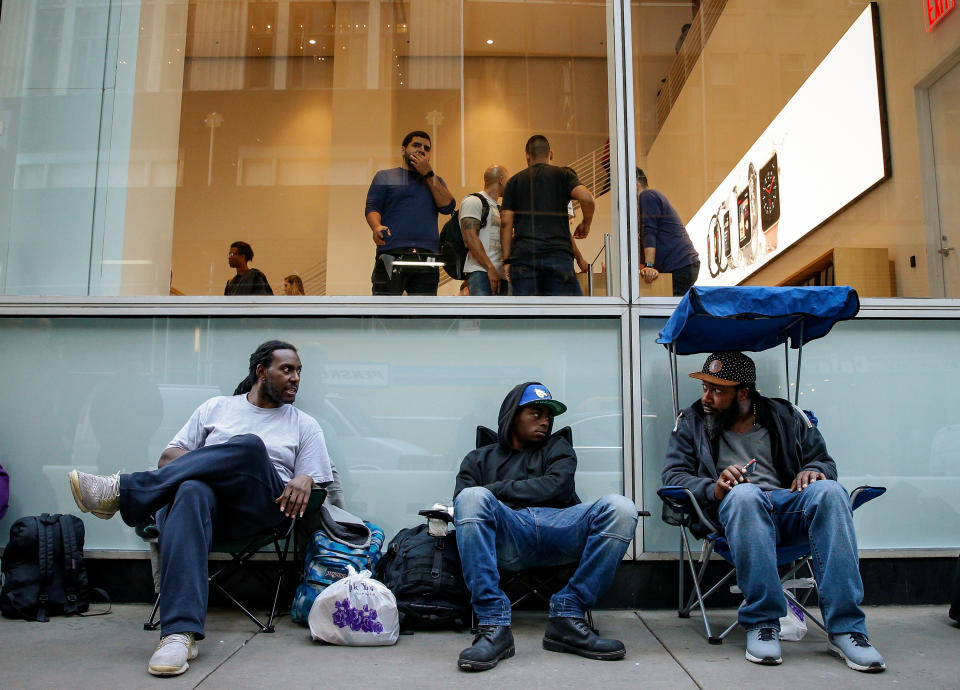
x: 881, y: 390
x: 399, y: 400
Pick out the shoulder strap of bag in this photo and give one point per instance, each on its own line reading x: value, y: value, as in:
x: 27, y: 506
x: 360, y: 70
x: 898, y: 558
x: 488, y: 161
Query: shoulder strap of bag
x: 437, y: 570
x: 485, y: 208
x: 45, y: 561
x: 106, y: 599
x: 71, y: 564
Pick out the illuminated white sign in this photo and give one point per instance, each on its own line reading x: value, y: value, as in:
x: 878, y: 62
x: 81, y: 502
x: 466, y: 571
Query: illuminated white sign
x: 822, y: 151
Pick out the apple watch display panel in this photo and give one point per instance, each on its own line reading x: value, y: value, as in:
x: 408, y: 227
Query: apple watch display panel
x: 769, y: 193
x: 743, y: 217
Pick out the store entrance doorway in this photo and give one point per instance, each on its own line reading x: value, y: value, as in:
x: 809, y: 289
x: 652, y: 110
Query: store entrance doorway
x: 944, y: 116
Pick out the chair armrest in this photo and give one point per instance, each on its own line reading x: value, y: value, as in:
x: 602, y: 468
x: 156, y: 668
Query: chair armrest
x: 436, y: 515
x: 682, y: 500
x: 862, y: 494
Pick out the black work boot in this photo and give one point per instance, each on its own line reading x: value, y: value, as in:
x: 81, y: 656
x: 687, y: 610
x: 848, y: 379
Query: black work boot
x: 573, y: 635
x: 492, y: 643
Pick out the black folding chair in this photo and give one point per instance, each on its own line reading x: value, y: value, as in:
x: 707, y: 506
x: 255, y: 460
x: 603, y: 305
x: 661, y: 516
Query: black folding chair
x: 241, y: 551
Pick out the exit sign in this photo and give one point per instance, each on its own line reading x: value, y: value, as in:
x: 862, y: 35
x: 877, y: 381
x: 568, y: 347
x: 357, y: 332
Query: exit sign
x: 936, y: 10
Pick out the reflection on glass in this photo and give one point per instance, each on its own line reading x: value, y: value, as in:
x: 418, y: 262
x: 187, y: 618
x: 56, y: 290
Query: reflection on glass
x: 397, y: 420
x: 216, y: 120
x: 786, y: 135
x: 884, y: 423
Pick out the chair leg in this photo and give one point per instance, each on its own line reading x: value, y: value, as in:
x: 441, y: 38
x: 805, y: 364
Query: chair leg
x: 153, y: 622
x: 697, y: 577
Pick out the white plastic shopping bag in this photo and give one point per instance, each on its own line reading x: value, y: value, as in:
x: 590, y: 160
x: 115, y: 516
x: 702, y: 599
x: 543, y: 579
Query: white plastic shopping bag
x: 357, y: 611
x: 793, y: 626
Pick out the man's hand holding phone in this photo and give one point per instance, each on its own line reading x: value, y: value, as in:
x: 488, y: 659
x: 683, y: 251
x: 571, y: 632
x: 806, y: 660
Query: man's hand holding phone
x: 731, y: 476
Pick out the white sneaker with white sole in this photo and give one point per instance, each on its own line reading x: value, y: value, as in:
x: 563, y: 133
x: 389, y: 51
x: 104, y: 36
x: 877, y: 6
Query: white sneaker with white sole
x: 171, y: 655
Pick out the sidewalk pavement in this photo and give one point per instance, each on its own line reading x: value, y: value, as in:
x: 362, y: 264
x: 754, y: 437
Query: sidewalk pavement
x: 919, y: 644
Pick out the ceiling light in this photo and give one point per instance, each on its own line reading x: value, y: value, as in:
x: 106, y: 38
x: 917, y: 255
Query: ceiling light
x: 489, y: 41
x: 312, y: 41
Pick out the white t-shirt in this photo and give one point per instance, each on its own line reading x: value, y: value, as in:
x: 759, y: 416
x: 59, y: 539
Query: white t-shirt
x: 293, y: 438
x: 489, y: 234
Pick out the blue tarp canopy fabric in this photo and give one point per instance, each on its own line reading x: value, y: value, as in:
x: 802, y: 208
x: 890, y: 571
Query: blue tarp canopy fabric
x: 711, y: 319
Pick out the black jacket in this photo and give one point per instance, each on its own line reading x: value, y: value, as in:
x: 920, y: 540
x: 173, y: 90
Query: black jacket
x: 795, y: 444
x: 537, y: 476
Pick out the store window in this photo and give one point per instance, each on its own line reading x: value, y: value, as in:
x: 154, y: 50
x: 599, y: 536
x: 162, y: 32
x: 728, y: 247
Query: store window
x: 139, y: 142
x: 800, y: 142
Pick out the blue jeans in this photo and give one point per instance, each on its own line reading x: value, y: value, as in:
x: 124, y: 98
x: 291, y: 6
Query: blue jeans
x: 755, y: 521
x: 551, y: 274
x: 479, y: 283
x: 489, y: 534
x: 223, y: 492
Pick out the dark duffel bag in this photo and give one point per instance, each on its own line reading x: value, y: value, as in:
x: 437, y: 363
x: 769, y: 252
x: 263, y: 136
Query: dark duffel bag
x: 43, y: 570
x: 425, y: 576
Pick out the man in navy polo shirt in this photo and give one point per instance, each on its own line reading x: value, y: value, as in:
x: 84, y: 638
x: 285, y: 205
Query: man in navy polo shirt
x: 402, y: 207
x: 666, y: 245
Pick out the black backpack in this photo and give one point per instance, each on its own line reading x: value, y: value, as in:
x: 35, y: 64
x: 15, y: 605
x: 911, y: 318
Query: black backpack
x: 43, y: 570
x: 453, y: 250
x: 425, y: 576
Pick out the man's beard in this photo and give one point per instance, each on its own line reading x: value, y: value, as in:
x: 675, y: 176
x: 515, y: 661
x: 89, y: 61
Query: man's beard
x: 271, y: 392
x: 717, y: 422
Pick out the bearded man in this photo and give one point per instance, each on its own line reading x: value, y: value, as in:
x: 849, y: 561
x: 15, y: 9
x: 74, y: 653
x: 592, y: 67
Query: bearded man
x: 789, y: 496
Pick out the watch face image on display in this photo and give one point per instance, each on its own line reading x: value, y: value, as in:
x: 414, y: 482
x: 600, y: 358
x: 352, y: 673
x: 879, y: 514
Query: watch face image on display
x: 770, y: 201
x: 713, y: 246
x: 725, y: 215
x: 753, y: 187
x: 743, y: 217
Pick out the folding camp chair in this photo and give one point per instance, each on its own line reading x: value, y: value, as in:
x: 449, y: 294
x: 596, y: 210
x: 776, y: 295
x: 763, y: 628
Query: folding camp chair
x: 795, y: 557
x: 711, y: 319
x: 241, y: 551
x: 532, y: 583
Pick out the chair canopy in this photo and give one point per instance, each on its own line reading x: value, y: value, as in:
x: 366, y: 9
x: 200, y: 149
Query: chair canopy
x: 712, y: 319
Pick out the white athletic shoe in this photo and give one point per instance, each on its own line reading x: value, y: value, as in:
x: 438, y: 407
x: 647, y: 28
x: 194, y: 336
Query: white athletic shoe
x: 171, y: 655
x: 95, y: 493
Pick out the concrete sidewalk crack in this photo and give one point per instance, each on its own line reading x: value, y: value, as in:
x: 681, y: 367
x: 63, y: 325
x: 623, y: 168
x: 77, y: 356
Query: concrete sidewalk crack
x: 667, y: 650
x: 226, y: 659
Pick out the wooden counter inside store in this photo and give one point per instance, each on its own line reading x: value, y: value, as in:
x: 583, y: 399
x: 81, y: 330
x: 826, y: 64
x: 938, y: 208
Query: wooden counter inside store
x: 867, y: 270
x: 661, y: 287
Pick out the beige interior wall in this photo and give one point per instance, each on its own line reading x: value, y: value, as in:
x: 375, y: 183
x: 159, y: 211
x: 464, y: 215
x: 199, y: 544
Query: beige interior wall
x: 351, y: 133
x: 152, y: 175
x: 268, y: 185
x: 756, y: 58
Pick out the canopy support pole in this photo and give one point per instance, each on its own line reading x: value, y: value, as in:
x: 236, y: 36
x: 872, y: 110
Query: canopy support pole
x: 673, y: 380
x: 796, y: 394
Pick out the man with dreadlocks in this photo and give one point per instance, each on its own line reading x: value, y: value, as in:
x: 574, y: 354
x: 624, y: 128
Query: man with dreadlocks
x: 241, y: 464
x: 760, y: 467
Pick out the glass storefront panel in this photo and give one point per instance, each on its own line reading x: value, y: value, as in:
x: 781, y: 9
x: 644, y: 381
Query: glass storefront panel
x: 880, y: 390
x: 801, y: 142
x: 399, y: 400
x: 140, y: 140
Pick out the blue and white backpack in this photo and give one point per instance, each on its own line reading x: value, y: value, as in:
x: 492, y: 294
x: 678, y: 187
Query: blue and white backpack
x: 343, y: 540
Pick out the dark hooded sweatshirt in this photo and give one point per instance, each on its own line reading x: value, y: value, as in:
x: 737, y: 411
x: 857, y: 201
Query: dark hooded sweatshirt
x: 540, y: 475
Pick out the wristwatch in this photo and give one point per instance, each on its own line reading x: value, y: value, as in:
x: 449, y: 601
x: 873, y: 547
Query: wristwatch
x: 770, y: 201
x: 429, y: 174
x: 648, y: 265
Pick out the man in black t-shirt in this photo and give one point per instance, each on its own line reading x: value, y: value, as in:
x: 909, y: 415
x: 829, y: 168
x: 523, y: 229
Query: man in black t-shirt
x: 248, y: 280
x: 534, y: 231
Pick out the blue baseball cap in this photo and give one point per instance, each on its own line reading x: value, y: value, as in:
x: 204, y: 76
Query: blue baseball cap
x: 538, y: 394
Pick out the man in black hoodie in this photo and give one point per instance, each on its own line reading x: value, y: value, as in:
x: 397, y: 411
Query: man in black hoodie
x: 760, y: 467
x: 515, y: 506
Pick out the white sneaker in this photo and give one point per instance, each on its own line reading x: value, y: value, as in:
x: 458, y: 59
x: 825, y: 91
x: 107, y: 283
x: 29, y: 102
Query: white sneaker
x: 171, y: 655
x: 94, y: 493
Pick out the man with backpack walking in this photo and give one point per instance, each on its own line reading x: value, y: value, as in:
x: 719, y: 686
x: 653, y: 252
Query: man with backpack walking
x: 241, y: 464
x: 515, y: 506
x: 480, y: 227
